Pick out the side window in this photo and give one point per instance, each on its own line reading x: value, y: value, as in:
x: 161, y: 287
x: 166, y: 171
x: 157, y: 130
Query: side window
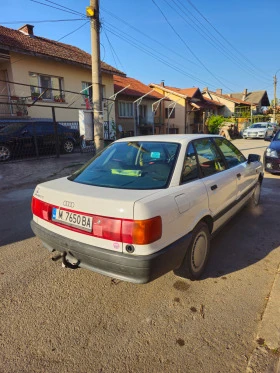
x: 44, y: 128
x: 232, y: 155
x: 190, y: 168
x: 210, y: 161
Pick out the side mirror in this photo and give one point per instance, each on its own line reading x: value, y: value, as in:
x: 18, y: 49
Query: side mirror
x: 253, y: 158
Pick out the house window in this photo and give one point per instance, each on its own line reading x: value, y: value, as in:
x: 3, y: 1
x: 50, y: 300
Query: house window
x: 125, y: 109
x: 52, y: 85
x: 169, y: 112
x: 87, y: 91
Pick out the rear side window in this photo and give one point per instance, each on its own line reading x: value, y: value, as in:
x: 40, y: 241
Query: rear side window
x: 232, y: 155
x: 210, y: 160
x: 190, y: 166
x: 131, y: 165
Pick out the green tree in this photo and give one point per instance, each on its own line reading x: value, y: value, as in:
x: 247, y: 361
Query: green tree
x: 214, y: 123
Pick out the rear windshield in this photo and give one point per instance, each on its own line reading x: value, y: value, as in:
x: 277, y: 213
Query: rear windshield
x: 131, y: 165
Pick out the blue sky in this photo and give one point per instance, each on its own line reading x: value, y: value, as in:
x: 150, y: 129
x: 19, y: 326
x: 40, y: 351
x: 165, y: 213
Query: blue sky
x: 230, y: 45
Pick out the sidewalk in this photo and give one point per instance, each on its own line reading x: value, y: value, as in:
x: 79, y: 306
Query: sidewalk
x: 265, y: 358
x: 30, y: 172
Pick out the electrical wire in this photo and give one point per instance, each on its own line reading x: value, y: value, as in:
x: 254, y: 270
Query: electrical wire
x: 188, y: 48
x: 215, y: 29
x: 113, y: 51
x: 148, y: 37
x: 64, y: 7
x: 163, y: 61
x: 50, y: 6
x: 44, y: 21
x: 208, y: 36
x: 72, y: 32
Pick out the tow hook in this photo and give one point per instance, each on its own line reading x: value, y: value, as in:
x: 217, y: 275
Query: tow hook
x: 65, y: 262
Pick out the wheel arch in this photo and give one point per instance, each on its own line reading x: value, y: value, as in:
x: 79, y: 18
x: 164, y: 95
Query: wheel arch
x: 209, y: 221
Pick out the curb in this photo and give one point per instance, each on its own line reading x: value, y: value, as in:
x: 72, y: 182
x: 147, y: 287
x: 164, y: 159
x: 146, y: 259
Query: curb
x: 265, y: 358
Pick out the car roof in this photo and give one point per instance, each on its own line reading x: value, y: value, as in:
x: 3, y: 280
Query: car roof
x: 182, y: 138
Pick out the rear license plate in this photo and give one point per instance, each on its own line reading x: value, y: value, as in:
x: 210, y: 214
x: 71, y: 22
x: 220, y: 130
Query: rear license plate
x: 72, y: 219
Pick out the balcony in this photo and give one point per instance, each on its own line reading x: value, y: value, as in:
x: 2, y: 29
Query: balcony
x: 13, y: 107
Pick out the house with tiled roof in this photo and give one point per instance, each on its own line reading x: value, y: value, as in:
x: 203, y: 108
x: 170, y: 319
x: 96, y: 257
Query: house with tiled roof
x: 257, y: 99
x: 59, y: 74
x: 232, y: 106
x: 137, y: 106
x: 187, y: 109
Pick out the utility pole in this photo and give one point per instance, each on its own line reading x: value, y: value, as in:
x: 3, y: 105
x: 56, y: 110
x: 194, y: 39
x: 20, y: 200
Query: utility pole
x: 93, y: 14
x: 274, y: 103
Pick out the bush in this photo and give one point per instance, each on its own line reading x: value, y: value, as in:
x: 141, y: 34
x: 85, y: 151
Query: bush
x: 214, y: 123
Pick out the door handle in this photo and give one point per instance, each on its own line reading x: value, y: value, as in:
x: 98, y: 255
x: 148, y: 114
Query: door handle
x: 213, y: 187
x: 238, y: 175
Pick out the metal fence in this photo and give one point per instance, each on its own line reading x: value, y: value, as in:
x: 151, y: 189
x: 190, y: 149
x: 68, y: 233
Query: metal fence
x: 35, y: 138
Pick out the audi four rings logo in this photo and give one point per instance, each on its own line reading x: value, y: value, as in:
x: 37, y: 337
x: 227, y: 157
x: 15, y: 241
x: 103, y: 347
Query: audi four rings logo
x: 68, y: 204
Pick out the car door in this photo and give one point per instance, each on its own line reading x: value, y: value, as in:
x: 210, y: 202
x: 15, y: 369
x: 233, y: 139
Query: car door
x: 24, y: 142
x: 220, y: 181
x: 244, y: 172
x: 45, y: 136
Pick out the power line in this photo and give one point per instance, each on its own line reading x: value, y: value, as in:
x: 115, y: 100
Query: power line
x: 214, y: 28
x: 189, y: 49
x: 113, y: 51
x: 44, y: 21
x: 64, y: 7
x: 212, y: 39
x: 163, y: 61
x: 148, y: 36
x: 72, y: 32
x: 50, y: 6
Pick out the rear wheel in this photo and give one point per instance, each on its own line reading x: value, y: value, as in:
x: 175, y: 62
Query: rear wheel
x: 5, y: 153
x: 197, y: 253
x: 68, y: 146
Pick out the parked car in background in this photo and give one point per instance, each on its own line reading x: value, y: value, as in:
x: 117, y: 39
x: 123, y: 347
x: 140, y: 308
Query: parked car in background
x: 271, y: 157
x: 259, y: 130
x: 146, y: 205
x: 29, y: 138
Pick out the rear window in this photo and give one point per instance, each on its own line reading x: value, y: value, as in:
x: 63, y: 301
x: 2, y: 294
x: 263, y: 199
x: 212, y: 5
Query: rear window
x: 131, y: 165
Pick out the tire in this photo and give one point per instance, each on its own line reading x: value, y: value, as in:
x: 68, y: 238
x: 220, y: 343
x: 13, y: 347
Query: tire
x: 68, y: 146
x: 5, y: 153
x: 197, y: 254
x: 256, y: 196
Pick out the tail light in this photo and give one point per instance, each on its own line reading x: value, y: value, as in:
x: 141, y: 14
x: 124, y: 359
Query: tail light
x: 142, y: 232
x: 136, y: 232
x: 41, y: 209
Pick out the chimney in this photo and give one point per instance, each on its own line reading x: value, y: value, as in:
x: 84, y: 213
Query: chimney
x: 162, y: 83
x: 244, y: 94
x: 219, y: 91
x: 27, y: 30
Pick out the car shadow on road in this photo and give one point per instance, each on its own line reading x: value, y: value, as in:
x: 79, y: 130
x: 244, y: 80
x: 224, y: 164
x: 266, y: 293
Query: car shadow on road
x: 248, y: 237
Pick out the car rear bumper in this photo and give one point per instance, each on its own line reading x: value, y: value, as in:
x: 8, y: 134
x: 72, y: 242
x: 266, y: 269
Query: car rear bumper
x: 132, y: 268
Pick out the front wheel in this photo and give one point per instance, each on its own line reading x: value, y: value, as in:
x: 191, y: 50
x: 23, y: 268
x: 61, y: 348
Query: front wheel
x: 5, y: 153
x: 197, y: 253
x: 68, y: 146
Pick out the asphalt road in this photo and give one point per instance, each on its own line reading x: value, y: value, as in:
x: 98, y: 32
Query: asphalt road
x: 60, y: 320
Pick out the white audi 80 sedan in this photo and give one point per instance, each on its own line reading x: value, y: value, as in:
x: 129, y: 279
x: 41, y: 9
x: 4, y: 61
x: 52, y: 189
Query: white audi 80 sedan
x: 146, y: 205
